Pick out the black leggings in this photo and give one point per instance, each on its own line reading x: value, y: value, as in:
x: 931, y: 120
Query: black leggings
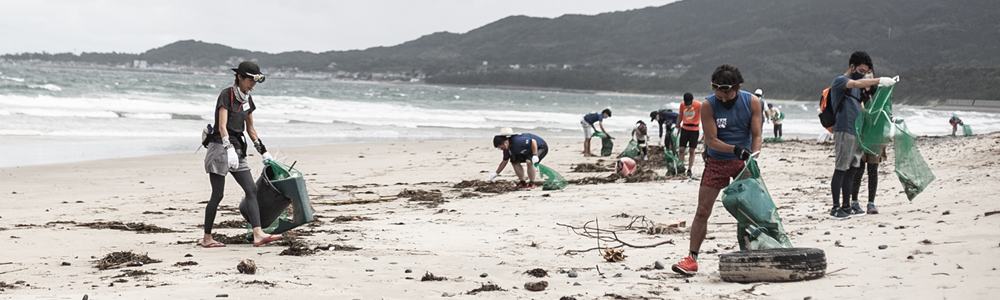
x: 841, y: 184
x: 777, y: 130
x: 872, y: 182
x: 218, y: 186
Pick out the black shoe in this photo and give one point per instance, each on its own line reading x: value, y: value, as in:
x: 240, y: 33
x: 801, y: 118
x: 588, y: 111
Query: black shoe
x: 839, y: 214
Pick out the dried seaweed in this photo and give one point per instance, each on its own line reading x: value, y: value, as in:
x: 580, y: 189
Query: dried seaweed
x: 430, y: 198
x: 124, y: 258
x: 186, y: 263
x: 430, y: 277
x: 137, y: 227
x: 342, y: 219
x: 133, y: 273
x: 537, y: 272
x: 495, y: 187
x: 591, y: 167
x: 486, y: 287
x: 242, y: 238
x: 258, y: 282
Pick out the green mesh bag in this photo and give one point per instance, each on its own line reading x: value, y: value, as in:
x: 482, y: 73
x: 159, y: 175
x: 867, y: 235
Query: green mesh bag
x: 874, y: 125
x: 967, y: 130
x: 607, y: 145
x: 631, y: 151
x: 553, y: 181
x: 749, y: 201
x: 912, y: 170
x: 674, y: 165
x: 774, y: 140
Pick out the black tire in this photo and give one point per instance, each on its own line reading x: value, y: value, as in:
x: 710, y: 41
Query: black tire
x: 773, y: 265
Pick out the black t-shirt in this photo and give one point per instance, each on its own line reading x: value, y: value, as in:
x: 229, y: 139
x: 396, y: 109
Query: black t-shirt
x: 236, y: 122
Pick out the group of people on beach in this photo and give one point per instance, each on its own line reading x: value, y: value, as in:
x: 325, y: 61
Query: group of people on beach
x: 733, y: 121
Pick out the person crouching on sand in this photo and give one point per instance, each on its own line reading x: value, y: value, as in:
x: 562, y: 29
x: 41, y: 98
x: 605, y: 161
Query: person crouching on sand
x: 227, y: 151
x: 519, y: 148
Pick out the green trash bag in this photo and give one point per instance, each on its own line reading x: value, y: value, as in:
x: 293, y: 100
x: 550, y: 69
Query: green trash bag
x: 631, y: 151
x: 912, y: 170
x: 607, y: 146
x: 553, y: 181
x: 774, y: 140
x: 674, y: 165
x: 874, y: 125
x: 967, y: 130
x: 749, y: 201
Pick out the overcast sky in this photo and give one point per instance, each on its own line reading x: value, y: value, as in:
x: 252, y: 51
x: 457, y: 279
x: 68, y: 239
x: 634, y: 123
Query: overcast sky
x: 58, y: 26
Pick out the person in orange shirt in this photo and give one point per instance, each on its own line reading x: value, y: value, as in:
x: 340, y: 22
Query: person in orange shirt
x: 689, y: 123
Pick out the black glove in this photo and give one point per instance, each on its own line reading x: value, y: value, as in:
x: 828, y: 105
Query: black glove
x: 260, y: 146
x: 742, y: 152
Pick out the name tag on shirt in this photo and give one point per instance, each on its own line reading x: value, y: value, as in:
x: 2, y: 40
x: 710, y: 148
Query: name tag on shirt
x: 246, y: 106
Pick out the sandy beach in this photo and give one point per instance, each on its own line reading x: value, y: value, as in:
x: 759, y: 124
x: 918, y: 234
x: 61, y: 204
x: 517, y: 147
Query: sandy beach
x: 941, y: 245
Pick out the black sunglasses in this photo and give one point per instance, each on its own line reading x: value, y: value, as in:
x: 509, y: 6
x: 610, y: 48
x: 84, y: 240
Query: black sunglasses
x: 722, y: 87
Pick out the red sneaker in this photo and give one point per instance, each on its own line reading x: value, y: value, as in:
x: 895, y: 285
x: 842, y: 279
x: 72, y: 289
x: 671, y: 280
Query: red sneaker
x: 530, y: 186
x: 687, y: 266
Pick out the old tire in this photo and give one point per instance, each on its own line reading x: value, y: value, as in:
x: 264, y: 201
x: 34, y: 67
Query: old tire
x: 773, y: 265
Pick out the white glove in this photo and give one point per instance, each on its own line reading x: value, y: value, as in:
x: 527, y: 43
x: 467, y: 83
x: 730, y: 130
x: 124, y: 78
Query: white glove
x: 267, y: 156
x: 888, y: 81
x: 493, y: 176
x: 534, y: 159
x: 231, y: 158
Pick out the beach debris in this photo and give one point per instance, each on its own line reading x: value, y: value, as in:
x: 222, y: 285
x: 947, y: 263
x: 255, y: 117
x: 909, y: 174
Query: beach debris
x: 568, y: 297
x: 133, y: 273
x: 342, y: 219
x: 229, y: 224
x: 486, y: 287
x: 118, y: 259
x: 638, y: 176
x: 536, y: 286
x: 222, y: 296
x: 430, y: 277
x: 260, y: 282
x: 572, y: 274
x: 247, y: 266
x: 242, y: 238
x: 926, y: 242
x: 612, y: 255
x: 186, y: 263
x: 605, y: 235
x: 537, y: 272
x: 591, y: 167
x: 990, y: 213
x: 883, y: 247
x: 137, y: 227
x: 4, y: 286
x: 66, y: 263
x: 468, y: 195
x: 408, y: 271
x: 484, y: 275
x: 495, y: 187
x: 658, y: 265
x: 429, y: 198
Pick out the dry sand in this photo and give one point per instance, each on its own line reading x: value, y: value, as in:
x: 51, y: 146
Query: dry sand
x: 939, y: 246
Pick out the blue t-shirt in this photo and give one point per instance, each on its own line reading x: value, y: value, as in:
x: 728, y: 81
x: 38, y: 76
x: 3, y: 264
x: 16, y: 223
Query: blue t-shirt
x: 594, y: 117
x: 668, y: 118
x: 846, y: 117
x: 733, y: 124
x: 521, y: 144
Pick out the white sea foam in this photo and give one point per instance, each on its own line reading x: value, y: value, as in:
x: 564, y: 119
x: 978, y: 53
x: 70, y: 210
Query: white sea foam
x: 14, y: 79
x: 51, y: 87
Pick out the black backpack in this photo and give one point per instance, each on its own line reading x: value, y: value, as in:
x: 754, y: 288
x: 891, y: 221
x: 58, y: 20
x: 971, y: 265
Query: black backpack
x: 827, y: 117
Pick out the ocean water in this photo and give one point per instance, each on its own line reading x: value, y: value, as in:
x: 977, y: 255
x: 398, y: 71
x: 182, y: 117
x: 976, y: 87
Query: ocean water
x: 59, y: 114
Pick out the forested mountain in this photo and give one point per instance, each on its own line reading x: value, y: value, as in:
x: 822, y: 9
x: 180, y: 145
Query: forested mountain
x: 790, y: 48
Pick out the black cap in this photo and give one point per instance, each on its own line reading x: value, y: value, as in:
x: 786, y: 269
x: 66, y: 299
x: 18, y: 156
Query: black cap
x: 652, y: 115
x: 247, y: 68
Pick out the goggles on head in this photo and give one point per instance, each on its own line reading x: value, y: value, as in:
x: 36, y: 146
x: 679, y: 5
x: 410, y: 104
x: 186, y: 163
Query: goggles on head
x: 259, y: 78
x: 722, y: 87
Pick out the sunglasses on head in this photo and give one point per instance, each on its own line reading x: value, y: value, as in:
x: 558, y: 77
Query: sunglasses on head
x: 722, y: 87
x: 259, y: 78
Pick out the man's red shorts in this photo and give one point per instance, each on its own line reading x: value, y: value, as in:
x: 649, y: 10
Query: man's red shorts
x: 718, y: 172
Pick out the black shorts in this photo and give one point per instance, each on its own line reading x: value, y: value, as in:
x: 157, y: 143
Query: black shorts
x: 688, y: 138
x: 517, y: 158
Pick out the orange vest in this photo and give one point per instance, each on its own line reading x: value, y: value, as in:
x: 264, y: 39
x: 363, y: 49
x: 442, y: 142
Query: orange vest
x: 691, y: 116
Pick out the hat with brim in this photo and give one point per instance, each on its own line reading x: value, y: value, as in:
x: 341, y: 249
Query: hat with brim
x: 247, y: 68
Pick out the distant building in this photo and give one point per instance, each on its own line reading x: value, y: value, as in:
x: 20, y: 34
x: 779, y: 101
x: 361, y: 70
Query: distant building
x: 140, y: 64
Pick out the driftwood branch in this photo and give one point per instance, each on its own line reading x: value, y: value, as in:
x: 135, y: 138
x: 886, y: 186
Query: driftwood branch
x: 606, y: 236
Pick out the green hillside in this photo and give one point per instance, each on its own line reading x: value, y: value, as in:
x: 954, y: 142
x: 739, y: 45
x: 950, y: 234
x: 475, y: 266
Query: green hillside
x: 790, y: 48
